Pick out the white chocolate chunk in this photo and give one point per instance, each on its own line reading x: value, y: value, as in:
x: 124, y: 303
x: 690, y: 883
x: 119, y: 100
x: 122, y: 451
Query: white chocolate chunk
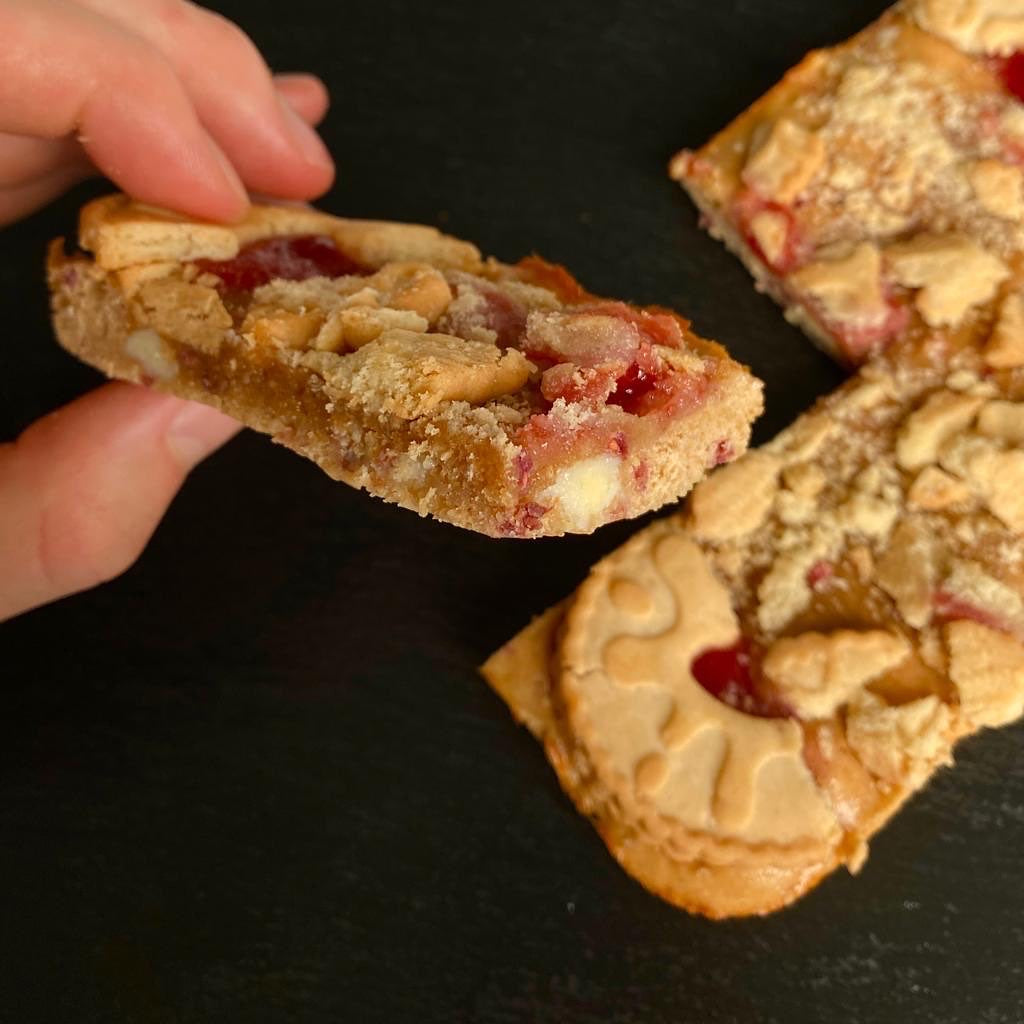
x: 152, y: 353
x: 583, y: 492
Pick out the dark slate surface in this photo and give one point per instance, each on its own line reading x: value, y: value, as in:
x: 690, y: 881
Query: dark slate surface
x: 257, y: 778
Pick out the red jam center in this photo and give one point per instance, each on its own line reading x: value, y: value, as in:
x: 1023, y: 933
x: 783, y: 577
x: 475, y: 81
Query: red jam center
x: 1013, y: 74
x: 950, y: 608
x: 291, y: 258
x: 726, y: 674
x: 631, y: 390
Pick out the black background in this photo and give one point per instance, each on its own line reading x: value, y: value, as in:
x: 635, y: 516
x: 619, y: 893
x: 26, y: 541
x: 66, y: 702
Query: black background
x: 258, y: 779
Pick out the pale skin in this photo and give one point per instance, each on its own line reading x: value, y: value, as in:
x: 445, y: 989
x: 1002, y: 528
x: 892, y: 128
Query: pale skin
x: 175, y: 105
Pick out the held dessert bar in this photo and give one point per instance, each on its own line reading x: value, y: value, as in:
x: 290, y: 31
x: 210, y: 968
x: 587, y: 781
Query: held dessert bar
x: 743, y: 694
x: 878, y: 190
x: 504, y: 399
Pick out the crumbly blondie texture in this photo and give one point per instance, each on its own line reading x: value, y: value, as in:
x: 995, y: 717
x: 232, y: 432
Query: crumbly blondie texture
x: 504, y: 399
x: 743, y: 694
x: 877, y: 192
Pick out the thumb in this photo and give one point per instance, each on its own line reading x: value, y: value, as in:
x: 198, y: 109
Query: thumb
x: 82, y: 490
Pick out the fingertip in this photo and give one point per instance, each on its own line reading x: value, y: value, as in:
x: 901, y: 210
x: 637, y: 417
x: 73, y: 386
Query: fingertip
x: 84, y: 487
x: 307, y: 143
x: 197, y: 431
x: 194, y: 177
x: 307, y: 95
x: 231, y: 200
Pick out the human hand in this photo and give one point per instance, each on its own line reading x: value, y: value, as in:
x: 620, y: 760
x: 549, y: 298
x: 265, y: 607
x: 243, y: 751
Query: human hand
x: 174, y: 105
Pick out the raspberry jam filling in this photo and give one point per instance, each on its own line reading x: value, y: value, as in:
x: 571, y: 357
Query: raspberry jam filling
x: 950, y: 608
x: 527, y: 519
x: 633, y: 388
x: 1012, y: 74
x: 601, y: 361
x: 791, y: 254
x: 290, y: 257
x: 589, y: 385
x: 641, y: 393
x: 727, y: 674
x: 615, y: 361
x: 504, y: 316
x: 654, y: 326
x: 856, y: 341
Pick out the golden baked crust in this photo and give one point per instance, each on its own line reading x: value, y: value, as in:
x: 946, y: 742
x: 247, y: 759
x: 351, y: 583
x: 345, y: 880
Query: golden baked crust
x: 877, y: 191
x: 486, y: 395
x: 743, y: 694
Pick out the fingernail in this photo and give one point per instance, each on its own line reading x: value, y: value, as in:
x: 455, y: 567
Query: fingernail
x: 305, y: 139
x: 197, y: 431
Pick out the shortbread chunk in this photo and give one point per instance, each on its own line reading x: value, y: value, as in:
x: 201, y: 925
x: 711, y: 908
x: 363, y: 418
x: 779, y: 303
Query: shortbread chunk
x: 743, y: 694
x: 877, y: 191
x: 504, y: 399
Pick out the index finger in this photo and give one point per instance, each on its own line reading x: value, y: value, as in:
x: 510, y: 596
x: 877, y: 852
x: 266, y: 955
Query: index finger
x: 64, y: 69
x: 273, y: 149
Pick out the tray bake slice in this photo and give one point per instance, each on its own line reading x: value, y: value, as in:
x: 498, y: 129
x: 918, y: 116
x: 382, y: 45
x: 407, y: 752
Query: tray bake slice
x: 877, y: 192
x: 743, y: 694
x: 504, y: 399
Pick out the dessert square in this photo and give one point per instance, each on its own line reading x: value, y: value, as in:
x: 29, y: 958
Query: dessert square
x: 744, y: 693
x: 877, y: 192
x: 504, y: 399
